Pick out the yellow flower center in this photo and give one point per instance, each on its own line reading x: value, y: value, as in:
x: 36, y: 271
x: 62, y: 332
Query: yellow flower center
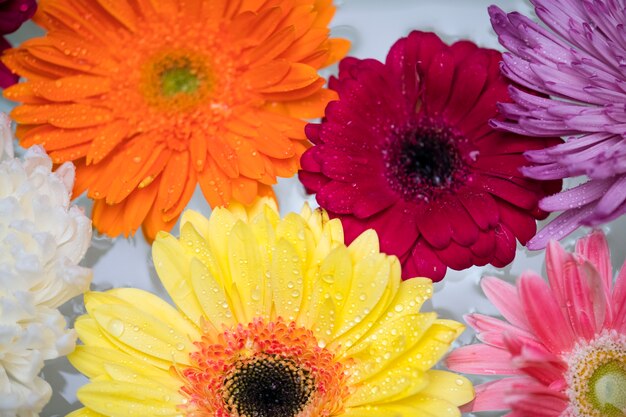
x: 177, y: 80
x: 597, y: 377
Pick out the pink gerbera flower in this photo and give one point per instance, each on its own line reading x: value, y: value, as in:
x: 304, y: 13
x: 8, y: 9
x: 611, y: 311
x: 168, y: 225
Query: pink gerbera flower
x: 407, y: 151
x: 580, y: 63
x: 12, y: 14
x: 564, y: 344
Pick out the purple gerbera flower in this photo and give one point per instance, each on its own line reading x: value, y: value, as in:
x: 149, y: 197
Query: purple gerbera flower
x: 581, y: 64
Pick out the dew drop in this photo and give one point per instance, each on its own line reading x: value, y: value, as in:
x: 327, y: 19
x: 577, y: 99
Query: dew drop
x: 116, y: 327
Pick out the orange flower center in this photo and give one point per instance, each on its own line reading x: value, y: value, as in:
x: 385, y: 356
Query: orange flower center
x: 264, y: 370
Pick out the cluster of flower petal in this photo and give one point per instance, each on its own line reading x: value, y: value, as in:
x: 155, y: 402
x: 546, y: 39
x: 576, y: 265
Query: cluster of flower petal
x: 42, y: 240
x: 273, y: 317
x: 562, y: 344
x: 579, y: 62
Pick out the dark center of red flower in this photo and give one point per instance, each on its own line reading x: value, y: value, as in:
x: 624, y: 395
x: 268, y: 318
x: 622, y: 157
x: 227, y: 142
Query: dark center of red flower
x: 268, y: 386
x: 424, y: 161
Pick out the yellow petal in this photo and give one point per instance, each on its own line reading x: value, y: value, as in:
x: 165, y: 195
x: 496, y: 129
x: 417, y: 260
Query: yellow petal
x: 210, y: 293
x: 172, y: 265
x: 393, y: 384
x: 387, y: 410
x: 163, y: 382
x: 369, y: 282
x: 383, y: 349
x: 221, y: 223
x: 84, y: 412
x: 115, y: 398
x: 364, y: 245
x: 154, y: 305
x: 92, y: 361
x: 287, y: 280
x: 143, y: 332
x: 247, y: 274
x: 448, y: 386
x: 91, y: 334
x: 197, y: 220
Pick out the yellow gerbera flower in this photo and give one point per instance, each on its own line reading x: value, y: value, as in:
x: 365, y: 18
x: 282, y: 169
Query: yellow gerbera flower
x: 274, y: 318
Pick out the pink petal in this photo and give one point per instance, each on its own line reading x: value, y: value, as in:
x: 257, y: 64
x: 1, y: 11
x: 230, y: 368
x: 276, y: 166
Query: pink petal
x: 505, y: 298
x: 535, y: 360
x: 544, y: 314
x: 482, y: 360
x: 492, y: 331
x: 492, y: 395
x: 536, y: 401
x: 619, y: 301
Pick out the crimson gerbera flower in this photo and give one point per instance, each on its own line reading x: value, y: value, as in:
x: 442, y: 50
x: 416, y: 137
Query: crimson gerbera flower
x: 408, y: 151
x: 12, y: 14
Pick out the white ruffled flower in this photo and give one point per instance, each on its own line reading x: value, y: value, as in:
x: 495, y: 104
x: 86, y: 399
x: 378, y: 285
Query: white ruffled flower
x: 42, y: 240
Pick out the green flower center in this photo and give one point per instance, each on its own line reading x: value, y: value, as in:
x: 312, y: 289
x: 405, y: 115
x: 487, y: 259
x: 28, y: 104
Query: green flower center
x: 596, y: 376
x: 608, y: 389
x: 179, y: 80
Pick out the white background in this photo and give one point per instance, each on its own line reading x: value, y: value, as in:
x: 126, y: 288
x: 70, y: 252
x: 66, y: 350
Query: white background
x: 373, y: 26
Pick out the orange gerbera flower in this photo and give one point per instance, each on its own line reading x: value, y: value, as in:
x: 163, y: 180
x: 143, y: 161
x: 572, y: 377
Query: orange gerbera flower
x: 150, y: 98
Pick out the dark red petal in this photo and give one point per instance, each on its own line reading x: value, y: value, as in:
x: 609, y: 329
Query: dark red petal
x: 481, y: 206
x: 505, y: 247
x: 455, y: 256
x: 520, y: 222
x: 464, y: 229
x: 312, y: 182
x: 423, y: 262
x: 469, y: 82
x: 438, y: 82
x: 434, y: 225
x: 395, y: 227
x: 338, y: 197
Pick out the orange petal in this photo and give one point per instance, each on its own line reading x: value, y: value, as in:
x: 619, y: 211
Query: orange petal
x: 62, y: 115
x: 69, y: 154
x: 54, y: 139
x: 137, y: 206
x: 23, y: 92
x: 190, y: 186
x: 71, y: 88
x: 298, y: 94
x: 266, y: 191
x: 53, y: 56
x: 273, y: 143
x: 244, y: 189
x: 310, y: 107
x: 301, y: 17
x: 134, y: 162
x: 299, y: 76
x: 84, y: 176
x: 106, y: 138
x: 173, y: 179
x: 266, y: 75
x: 286, y: 167
x: 108, y: 219
x: 155, y: 222
x: 271, y: 48
x: 122, y: 11
x: 248, y: 157
x: 337, y: 49
x: 255, y: 28
x: 225, y: 156
x: 198, y: 150
x: 21, y: 62
x: 305, y: 45
x: 215, y: 185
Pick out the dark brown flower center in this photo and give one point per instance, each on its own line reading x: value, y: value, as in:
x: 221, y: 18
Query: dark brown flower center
x: 425, y: 161
x: 267, y: 386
